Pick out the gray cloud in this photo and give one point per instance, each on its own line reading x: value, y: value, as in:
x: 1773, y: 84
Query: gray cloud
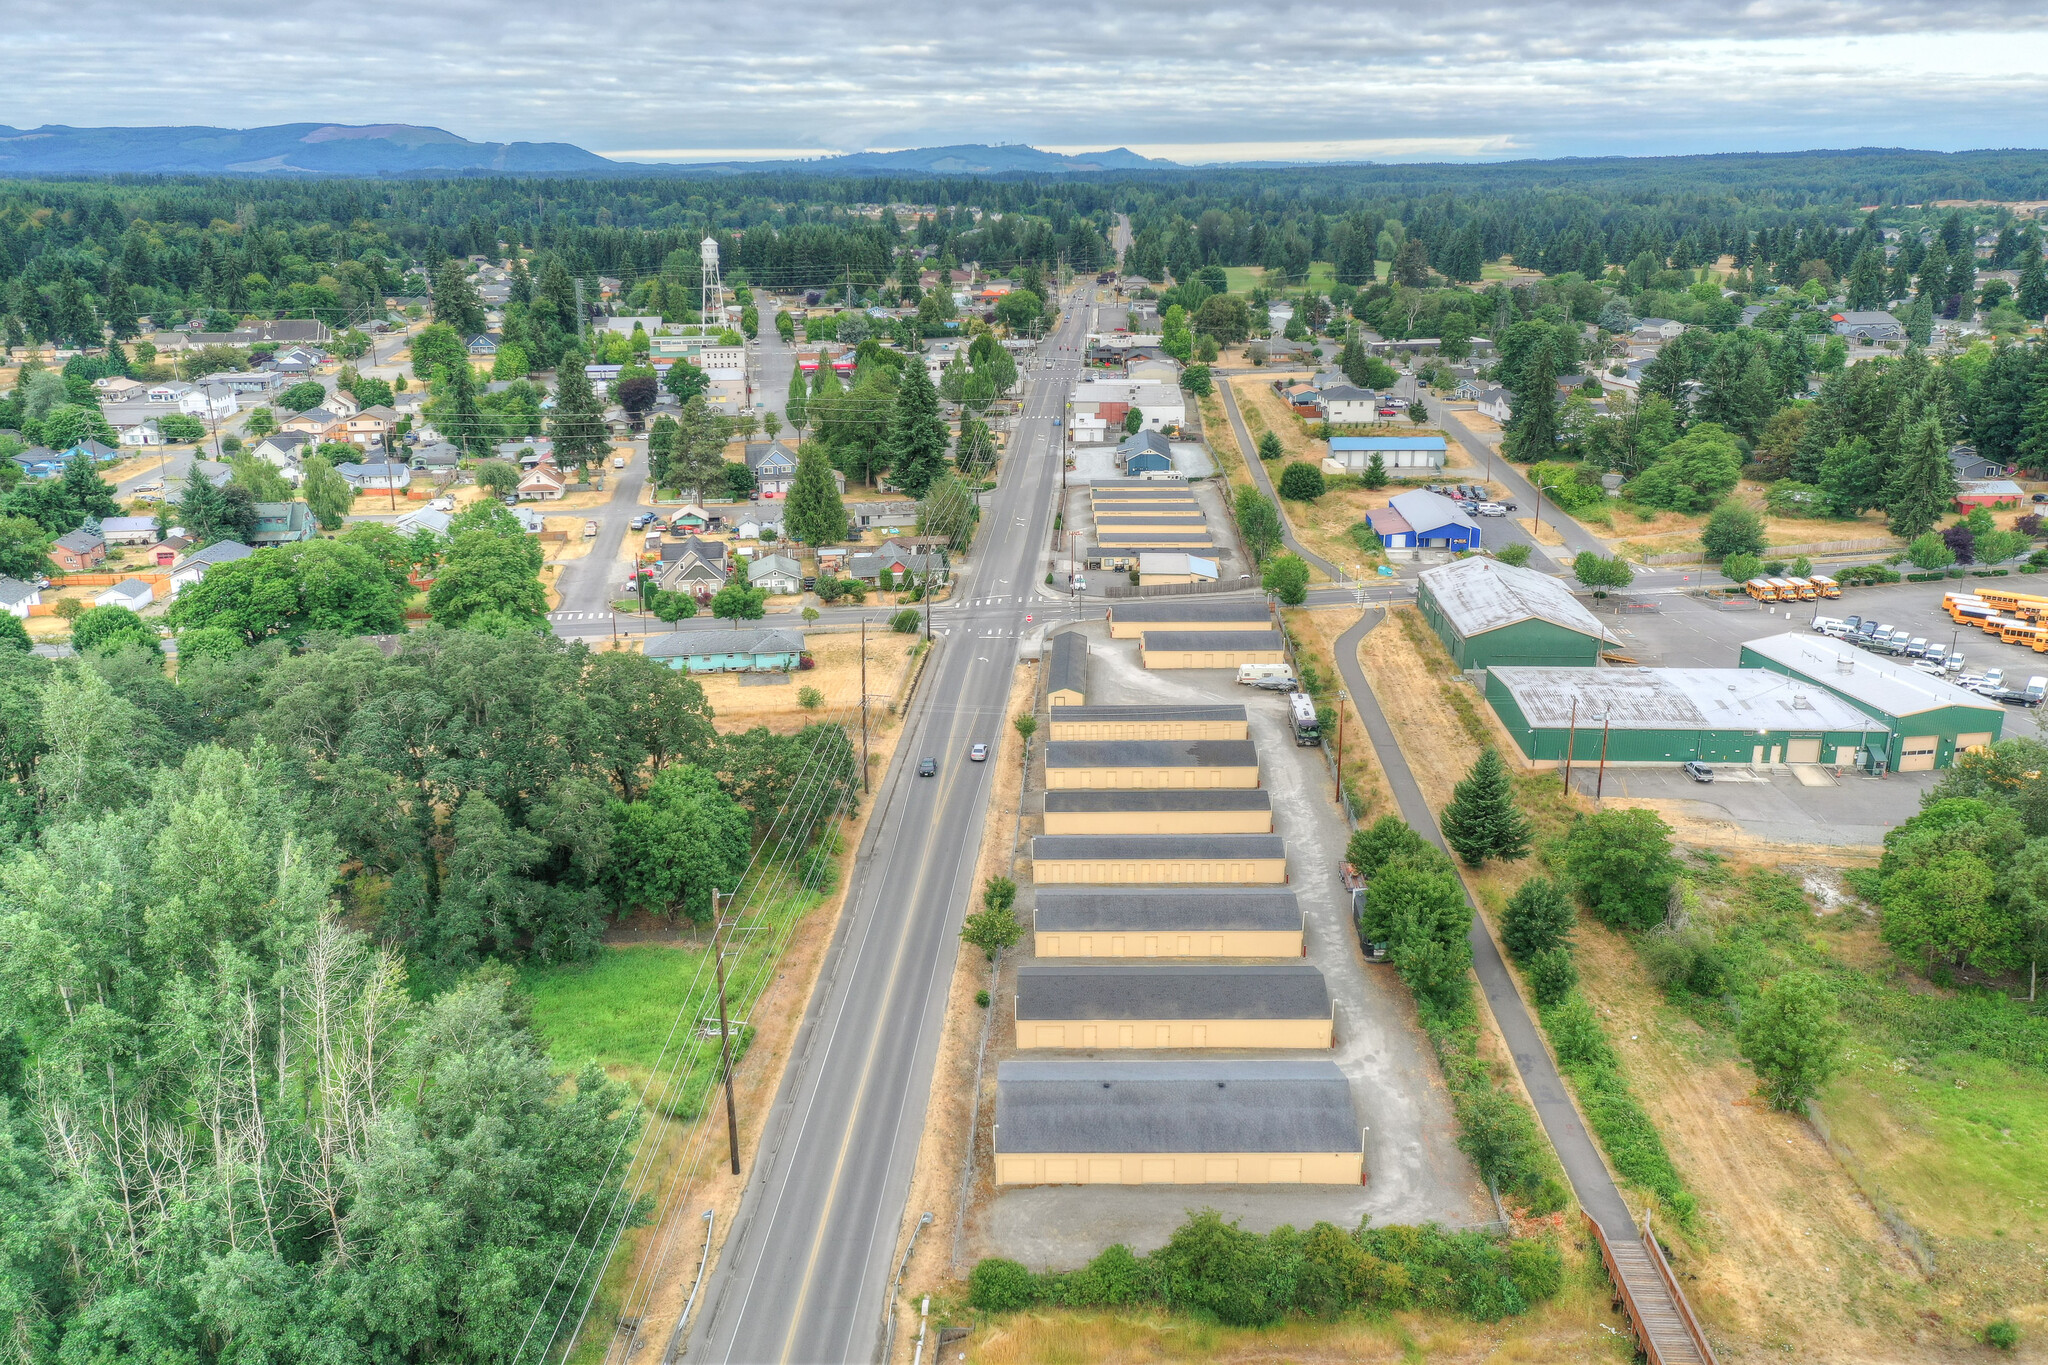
x: 1486, y: 79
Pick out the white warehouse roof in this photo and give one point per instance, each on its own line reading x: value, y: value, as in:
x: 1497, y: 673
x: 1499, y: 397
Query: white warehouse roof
x: 1479, y: 595
x: 1676, y: 699
x: 1896, y: 689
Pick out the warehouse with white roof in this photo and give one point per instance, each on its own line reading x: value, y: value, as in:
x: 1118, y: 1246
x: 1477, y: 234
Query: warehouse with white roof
x: 1928, y: 720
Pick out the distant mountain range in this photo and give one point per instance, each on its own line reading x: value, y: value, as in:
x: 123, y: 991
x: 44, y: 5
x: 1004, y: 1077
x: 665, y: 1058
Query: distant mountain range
x: 406, y: 149
x: 288, y: 148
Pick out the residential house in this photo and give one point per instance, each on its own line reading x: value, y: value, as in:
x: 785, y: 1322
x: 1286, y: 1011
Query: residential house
x: 690, y: 517
x: 543, y: 483
x: 751, y: 527
x: 313, y: 421
x: 140, y: 434
x: 439, y: 456
x: 1145, y: 452
x: 120, y: 388
x: 194, y: 566
x: 1869, y: 326
x: 530, y: 520
x: 1417, y: 521
x: 712, y: 552
x: 285, y: 449
x: 129, y: 530
x: 131, y: 593
x: 691, y: 573
x: 16, y: 597
x: 882, y: 516
x: 1353, y: 454
x: 90, y: 450
x: 380, y: 477
x: 1497, y: 403
x: 1348, y: 403
x: 424, y: 519
x: 40, y: 462
x: 283, y: 523
x: 1970, y: 466
x: 729, y: 651
x: 1302, y: 398
x: 773, y: 465
x: 342, y: 403
x: 778, y: 574
x: 1655, y: 331
x: 209, y: 402
x: 77, y: 551
x: 483, y: 344
x: 898, y: 561
x: 370, y: 427
x: 213, y: 471
x: 167, y: 551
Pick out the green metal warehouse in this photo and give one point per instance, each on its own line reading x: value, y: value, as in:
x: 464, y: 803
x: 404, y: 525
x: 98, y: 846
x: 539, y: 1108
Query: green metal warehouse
x: 1490, y: 614
x: 1928, y: 720
x: 1644, y: 716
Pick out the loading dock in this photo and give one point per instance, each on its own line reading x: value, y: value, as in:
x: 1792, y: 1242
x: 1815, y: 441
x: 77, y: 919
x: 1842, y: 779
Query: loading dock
x: 1210, y: 648
x: 1126, y: 1122
x: 1137, y: 859
x: 1151, y: 923
x: 1224, y: 811
x: 1150, y: 763
x: 1172, y: 1005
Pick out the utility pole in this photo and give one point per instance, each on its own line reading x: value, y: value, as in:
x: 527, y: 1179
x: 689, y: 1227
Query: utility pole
x: 1606, y: 722
x: 864, y: 706
x: 1571, y: 743
x: 732, y: 1122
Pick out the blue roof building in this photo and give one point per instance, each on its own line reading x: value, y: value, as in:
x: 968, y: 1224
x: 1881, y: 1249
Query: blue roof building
x: 1424, y: 521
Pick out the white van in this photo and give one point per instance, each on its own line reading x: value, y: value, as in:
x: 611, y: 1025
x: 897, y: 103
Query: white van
x: 1254, y: 673
x: 618, y: 462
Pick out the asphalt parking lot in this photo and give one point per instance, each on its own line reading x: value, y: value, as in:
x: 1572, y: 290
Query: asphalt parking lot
x: 1809, y: 807
x: 1415, y: 1171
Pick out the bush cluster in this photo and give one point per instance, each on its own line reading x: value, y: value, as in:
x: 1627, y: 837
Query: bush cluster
x: 1214, y: 1269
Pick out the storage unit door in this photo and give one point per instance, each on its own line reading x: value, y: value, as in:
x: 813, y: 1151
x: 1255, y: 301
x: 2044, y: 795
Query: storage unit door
x: 1973, y: 740
x: 1803, y: 750
x: 1284, y: 1170
x: 1916, y: 755
x: 1105, y: 1171
x: 1061, y: 1170
x: 1156, y: 1170
x: 1050, y: 1035
x: 1018, y: 1170
x: 1216, y: 1170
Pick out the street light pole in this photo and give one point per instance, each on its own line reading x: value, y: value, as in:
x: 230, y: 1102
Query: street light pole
x: 1570, y: 744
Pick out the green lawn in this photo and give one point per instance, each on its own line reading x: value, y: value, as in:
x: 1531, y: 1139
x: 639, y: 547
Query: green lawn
x: 1245, y: 278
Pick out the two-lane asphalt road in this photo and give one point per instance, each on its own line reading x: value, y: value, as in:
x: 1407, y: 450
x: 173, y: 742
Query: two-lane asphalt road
x: 805, y: 1274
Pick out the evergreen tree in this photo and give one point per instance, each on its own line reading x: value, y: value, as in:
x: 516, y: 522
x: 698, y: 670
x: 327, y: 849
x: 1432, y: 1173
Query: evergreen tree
x: 1532, y: 425
x: 1375, y: 475
x: 798, y: 400
x: 1924, y: 484
x: 1483, y: 820
x: 578, y: 427
x: 917, y: 434
x: 1919, y: 320
x: 463, y: 419
x: 1538, y: 918
x: 2033, y: 291
x: 814, y: 515
x: 1934, y: 278
x: 203, y: 509
x: 455, y: 300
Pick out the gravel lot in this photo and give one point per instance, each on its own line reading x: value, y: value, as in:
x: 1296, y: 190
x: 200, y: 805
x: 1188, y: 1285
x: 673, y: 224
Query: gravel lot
x: 1416, y: 1172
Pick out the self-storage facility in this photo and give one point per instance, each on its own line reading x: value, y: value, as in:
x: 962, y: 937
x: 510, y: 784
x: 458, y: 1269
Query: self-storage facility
x: 1130, y: 620
x: 1107, y: 522
x: 1490, y: 614
x: 1124, y: 859
x: 1928, y: 720
x: 1642, y: 716
x: 1066, y: 673
x: 1174, y: 811
x: 1210, y: 648
x: 1158, y: 922
x: 1172, y: 1005
x: 1147, y: 763
x: 1269, y: 1121
x: 1149, y: 722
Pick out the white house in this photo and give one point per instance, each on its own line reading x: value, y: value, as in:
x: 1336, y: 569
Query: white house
x: 543, y: 484
x: 215, y: 402
x: 129, y: 530
x: 141, y: 434
x: 1496, y: 402
x: 131, y: 593
x: 286, y: 450
x: 375, y: 478
x: 193, y: 567
x: 1089, y: 429
x: 425, y: 519
x: 16, y: 597
x: 1347, y: 403
x: 779, y: 574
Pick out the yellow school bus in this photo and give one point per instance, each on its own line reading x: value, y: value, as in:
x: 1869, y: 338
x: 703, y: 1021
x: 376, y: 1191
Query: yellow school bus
x: 1804, y: 589
x: 2022, y: 604
x: 1761, y: 589
x: 2014, y: 631
x: 1825, y: 586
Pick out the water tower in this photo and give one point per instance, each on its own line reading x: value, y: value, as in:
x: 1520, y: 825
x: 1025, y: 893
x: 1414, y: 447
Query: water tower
x: 713, y: 295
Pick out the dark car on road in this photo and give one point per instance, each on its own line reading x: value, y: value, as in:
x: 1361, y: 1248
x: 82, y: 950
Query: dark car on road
x: 928, y: 767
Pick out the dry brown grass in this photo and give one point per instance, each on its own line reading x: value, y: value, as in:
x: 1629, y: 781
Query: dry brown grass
x: 1264, y: 411
x: 837, y: 676
x: 1544, y: 532
x: 576, y: 546
x: 1316, y: 633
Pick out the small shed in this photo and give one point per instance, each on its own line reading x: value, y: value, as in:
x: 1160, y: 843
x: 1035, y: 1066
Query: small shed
x: 1990, y: 493
x: 1150, y: 764
x: 1149, y: 722
x: 1183, y: 922
x: 1133, y: 859
x: 1254, y: 1121
x: 1066, y: 674
x: 1129, y: 620
x: 1172, y: 1005
x: 1211, y: 648
x: 1227, y: 810
x: 131, y: 593
x: 16, y: 597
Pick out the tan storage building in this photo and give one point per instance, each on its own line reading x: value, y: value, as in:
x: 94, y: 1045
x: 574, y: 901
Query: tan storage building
x: 1225, y: 811
x: 1172, y: 1005
x: 1254, y: 1121
x: 1066, y: 672
x: 1145, y: 764
x: 1210, y: 648
x: 1185, y: 522
x: 1130, y: 620
x: 1109, y: 539
x: 1210, y: 921
x: 1149, y: 722
x: 1179, y: 859
x: 1140, y: 490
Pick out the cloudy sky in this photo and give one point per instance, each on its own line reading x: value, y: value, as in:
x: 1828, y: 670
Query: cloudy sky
x: 1188, y: 80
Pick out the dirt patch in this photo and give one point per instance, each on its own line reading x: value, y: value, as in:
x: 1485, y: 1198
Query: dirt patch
x: 1543, y: 533
x: 576, y: 546
x: 1264, y: 411
x: 1484, y: 427
x: 935, y: 1183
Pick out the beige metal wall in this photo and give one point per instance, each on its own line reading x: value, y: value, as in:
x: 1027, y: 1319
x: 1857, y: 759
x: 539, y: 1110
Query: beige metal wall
x: 1194, y: 943
x: 1174, y: 1033
x: 1208, y: 658
x: 1066, y: 696
x: 1153, y: 580
x: 1147, y: 779
x: 1132, y: 872
x: 1132, y: 630
x: 1180, y: 1168
x: 1064, y: 730
x: 1159, y: 822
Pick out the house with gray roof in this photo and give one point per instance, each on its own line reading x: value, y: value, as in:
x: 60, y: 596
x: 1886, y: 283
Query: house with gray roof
x: 193, y: 567
x: 16, y: 597
x: 773, y: 466
x: 729, y: 651
x: 778, y: 575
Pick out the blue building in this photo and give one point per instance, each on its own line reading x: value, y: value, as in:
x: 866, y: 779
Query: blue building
x: 729, y: 651
x: 1424, y: 521
x: 1146, y: 452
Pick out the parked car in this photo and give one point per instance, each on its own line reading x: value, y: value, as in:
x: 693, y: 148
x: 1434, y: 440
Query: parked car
x: 1385, y: 411
x: 978, y: 754
x: 1275, y: 684
x: 1697, y: 771
x: 1490, y: 509
x: 1916, y: 646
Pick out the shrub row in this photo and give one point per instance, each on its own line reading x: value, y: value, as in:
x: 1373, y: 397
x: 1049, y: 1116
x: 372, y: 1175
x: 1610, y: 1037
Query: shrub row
x: 1215, y: 1269
x: 1616, y: 1116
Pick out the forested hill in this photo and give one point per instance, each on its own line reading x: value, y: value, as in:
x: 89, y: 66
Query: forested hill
x: 318, y: 148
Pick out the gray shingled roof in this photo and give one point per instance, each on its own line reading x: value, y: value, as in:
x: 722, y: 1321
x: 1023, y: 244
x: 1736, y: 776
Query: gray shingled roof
x: 1067, y: 671
x: 1255, y: 1105
x: 1171, y: 990
x: 1061, y: 848
x: 695, y: 643
x: 1074, y: 909
x: 1140, y: 488
x: 1175, y: 612
x: 1110, y: 521
x: 1152, y: 753
x: 1139, y: 714
x: 1170, y: 798
x: 1170, y: 640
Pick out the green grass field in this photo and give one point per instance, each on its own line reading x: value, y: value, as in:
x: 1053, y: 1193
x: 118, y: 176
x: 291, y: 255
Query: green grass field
x: 1245, y: 278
